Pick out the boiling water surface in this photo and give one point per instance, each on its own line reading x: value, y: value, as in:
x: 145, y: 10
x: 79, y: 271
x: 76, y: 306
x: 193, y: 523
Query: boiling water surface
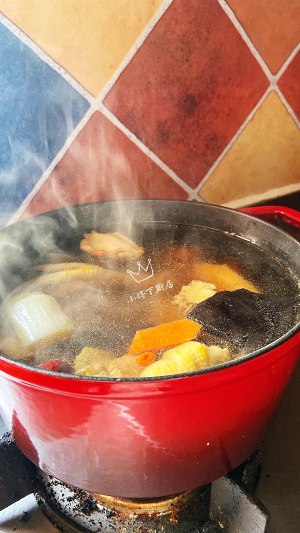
x: 107, y: 315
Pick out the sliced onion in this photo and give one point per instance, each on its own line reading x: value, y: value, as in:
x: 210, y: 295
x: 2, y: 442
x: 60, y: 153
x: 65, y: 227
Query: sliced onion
x: 37, y: 317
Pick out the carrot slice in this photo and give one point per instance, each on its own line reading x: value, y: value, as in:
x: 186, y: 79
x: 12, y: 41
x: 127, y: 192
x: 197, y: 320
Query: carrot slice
x: 146, y: 358
x: 167, y: 334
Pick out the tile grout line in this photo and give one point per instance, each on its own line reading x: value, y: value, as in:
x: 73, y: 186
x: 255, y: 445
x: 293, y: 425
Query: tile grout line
x: 69, y: 141
x: 238, y: 26
x: 46, y: 58
x: 134, y: 49
x: 113, y: 118
x: 132, y: 137
x: 272, y: 87
x: 287, y: 105
x: 23, y: 37
x: 273, y: 78
x: 287, y: 62
x: 197, y: 198
x: 231, y: 142
x: 93, y: 101
x: 264, y: 196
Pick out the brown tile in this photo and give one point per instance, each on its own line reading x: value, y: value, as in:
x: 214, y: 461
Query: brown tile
x: 189, y: 88
x: 273, y: 26
x: 264, y: 159
x: 101, y: 164
x: 289, y: 84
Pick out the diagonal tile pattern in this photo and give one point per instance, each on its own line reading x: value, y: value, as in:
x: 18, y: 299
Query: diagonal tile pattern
x: 89, y: 38
x: 289, y: 84
x: 273, y: 26
x: 189, y: 88
x: 103, y: 164
x: 257, y: 156
x: 38, y: 111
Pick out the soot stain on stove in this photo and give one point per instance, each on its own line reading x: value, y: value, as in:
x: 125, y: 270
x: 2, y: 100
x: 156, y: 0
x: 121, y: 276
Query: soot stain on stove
x: 25, y: 518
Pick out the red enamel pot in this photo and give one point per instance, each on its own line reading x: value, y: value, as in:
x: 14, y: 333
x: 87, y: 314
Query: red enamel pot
x: 140, y: 438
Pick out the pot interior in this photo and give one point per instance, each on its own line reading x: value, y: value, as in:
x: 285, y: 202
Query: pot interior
x: 175, y: 237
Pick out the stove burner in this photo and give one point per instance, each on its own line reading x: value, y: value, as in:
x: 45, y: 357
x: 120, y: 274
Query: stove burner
x: 231, y: 510
x: 224, y: 506
x: 183, y: 512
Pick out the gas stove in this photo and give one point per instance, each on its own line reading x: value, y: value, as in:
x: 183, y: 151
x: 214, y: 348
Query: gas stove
x: 227, y: 505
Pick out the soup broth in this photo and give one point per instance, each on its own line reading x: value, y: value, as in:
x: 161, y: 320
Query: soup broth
x: 134, y: 314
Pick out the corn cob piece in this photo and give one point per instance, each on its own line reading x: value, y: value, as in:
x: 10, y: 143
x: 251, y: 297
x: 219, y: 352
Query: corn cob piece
x: 187, y: 357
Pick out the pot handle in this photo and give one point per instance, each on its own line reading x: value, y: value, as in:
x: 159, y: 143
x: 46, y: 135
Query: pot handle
x: 275, y: 214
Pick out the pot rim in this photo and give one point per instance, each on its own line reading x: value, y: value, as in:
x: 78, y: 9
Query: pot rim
x: 238, y: 361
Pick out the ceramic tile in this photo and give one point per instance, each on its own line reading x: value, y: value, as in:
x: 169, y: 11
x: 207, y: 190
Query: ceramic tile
x: 273, y: 27
x: 88, y: 38
x: 189, y: 88
x: 289, y: 84
x: 38, y: 111
x: 103, y: 164
x: 265, y: 156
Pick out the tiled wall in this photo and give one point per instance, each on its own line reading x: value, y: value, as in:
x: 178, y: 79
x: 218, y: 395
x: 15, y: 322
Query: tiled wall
x: 187, y: 99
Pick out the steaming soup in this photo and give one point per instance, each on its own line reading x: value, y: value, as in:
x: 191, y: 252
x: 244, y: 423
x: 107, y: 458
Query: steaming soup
x: 146, y: 302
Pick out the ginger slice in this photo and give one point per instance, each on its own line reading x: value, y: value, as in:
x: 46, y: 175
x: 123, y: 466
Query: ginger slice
x: 222, y: 276
x: 194, y: 293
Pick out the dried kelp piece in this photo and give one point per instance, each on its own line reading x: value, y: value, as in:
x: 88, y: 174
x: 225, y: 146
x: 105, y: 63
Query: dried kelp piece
x: 246, y: 318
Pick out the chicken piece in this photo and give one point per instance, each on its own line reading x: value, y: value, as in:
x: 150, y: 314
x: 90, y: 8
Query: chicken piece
x: 92, y: 362
x: 58, y: 267
x: 187, y: 357
x: 125, y: 366
x: 110, y: 244
x: 195, y: 292
x: 11, y: 347
x: 218, y: 355
x: 64, y: 273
